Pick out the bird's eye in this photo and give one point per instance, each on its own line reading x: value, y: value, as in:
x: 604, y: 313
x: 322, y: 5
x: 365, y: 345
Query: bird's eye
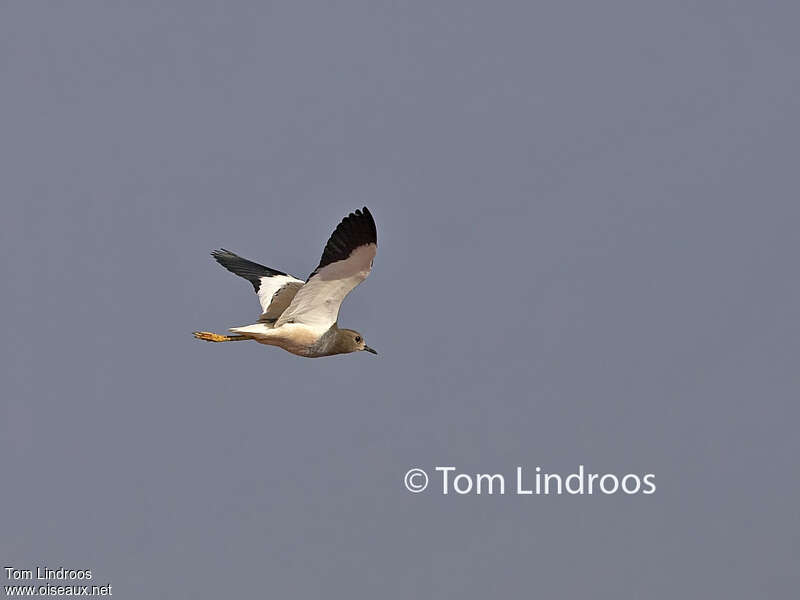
x: 358, y: 338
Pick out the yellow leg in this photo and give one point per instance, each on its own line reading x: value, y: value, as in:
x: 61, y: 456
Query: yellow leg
x: 216, y: 337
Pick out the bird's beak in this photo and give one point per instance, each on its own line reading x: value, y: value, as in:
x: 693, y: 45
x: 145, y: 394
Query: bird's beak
x: 368, y: 349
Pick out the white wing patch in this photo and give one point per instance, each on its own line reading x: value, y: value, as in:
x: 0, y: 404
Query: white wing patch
x: 275, y: 294
x: 317, y: 303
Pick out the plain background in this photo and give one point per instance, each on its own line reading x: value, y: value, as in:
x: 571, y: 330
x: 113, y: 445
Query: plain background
x: 588, y: 225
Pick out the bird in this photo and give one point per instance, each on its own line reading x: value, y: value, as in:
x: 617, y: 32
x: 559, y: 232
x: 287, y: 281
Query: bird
x: 302, y: 316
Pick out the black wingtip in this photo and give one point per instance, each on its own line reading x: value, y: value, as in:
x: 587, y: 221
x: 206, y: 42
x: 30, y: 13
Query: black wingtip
x: 252, y: 271
x: 355, y: 230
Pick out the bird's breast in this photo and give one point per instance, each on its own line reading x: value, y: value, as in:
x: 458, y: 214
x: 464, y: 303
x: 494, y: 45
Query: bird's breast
x: 295, y: 338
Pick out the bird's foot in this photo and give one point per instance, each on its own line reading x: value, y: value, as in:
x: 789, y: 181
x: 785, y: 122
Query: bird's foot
x: 211, y: 337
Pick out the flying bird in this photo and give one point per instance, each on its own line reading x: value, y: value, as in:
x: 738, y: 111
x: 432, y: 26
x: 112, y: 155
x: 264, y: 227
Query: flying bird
x: 301, y: 316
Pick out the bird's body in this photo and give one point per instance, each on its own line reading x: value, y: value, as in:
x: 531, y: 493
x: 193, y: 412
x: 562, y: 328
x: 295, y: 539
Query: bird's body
x: 301, y: 317
x: 297, y: 338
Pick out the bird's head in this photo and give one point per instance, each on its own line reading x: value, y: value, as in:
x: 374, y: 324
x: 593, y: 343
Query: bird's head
x: 348, y: 340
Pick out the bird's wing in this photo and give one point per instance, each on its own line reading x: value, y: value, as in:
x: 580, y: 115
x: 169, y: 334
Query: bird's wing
x: 275, y: 289
x: 346, y: 262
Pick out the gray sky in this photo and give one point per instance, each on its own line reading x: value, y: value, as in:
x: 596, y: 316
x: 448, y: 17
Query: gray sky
x: 587, y: 218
